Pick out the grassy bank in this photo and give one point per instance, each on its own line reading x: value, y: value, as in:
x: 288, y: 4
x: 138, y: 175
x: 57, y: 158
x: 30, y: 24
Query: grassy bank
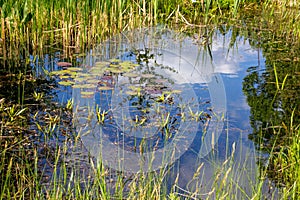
x: 29, y: 27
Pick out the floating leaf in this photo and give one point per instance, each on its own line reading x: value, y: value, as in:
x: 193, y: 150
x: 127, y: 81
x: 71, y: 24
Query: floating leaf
x: 56, y: 73
x: 107, y: 78
x: 74, y: 69
x: 64, y: 77
x: 102, y: 64
x: 134, y: 88
x: 80, y: 79
x: 100, y: 88
x: 161, y: 80
x: 77, y: 86
x: 127, y: 64
x: 176, y: 91
x: 148, y: 75
x: 116, y: 70
x: 88, y: 93
x: 96, y: 71
x: 114, y: 66
x: 114, y: 60
x: 87, y: 96
x: 80, y: 74
x: 156, y: 86
x: 66, y: 83
x: 92, y: 81
x: 131, y: 75
x: 64, y: 64
x: 89, y: 86
x: 85, y: 86
x: 130, y: 92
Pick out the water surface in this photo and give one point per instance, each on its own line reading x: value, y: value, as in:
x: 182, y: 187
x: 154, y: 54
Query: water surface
x: 177, y: 101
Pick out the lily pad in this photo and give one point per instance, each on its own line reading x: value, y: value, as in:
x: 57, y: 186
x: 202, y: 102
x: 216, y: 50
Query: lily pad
x: 114, y: 60
x: 101, y: 88
x: 96, y: 71
x: 131, y: 75
x: 80, y: 79
x: 127, y: 64
x: 89, y: 86
x: 116, y: 70
x: 130, y: 92
x: 85, y: 86
x: 107, y: 78
x: 148, y: 75
x: 161, y: 80
x: 80, y: 74
x: 87, y: 96
x: 92, y: 81
x: 88, y: 93
x: 74, y: 69
x: 64, y: 77
x: 176, y: 91
x: 135, y: 88
x: 64, y: 64
x: 66, y: 83
x: 114, y: 65
x: 56, y: 73
x: 102, y: 64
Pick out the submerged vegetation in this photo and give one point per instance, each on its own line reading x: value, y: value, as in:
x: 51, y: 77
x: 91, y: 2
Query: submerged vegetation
x: 37, y: 136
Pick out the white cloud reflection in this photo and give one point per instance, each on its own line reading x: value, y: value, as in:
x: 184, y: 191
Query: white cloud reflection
x: 194, y: 63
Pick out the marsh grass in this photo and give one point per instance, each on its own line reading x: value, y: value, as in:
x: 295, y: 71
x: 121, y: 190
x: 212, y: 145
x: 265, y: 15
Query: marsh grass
x: 74, y: 24
x: 22, y: 177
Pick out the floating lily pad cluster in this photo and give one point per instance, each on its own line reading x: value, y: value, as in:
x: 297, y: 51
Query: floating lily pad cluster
x: 100, y: 76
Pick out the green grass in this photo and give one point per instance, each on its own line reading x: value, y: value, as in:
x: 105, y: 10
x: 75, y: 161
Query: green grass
x: 77, y: 23
x: 22, y: 179
x: 29, y: 25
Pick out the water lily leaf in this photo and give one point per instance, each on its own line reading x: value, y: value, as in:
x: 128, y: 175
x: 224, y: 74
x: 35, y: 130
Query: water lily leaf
x: 148, y: 75
x: 176, y: 91
x: 86, y: 96
x: 131, y: 75
x: 107, y: 78
x: 66, y: 83
x: 161, y: 80
x: 74, y: 69
x: 134, y: 88
x: 80, y: 79
x: 89, y: 86
x: 80, y: 74
x: 116, y: 70
x: 127, y: 64
x: 97, y: 71
x: 130, y: 92
x: 101, y: 88
x: 102, y: 64
x: 92, y: 81
x: 64, y: 76
x: 77, y: 86
x: 114, y: 66
x: 64, y: 64
x: 88, y: 93
x: 56, y: 73
x: 114, y: 60
x: 85, y: 86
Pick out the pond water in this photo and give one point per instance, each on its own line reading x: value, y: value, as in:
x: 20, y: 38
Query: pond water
x: 154, y: 97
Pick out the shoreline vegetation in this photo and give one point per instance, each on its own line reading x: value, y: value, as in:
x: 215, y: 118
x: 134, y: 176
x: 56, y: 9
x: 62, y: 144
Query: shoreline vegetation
x: 32, y: 24
x: 29, y: 28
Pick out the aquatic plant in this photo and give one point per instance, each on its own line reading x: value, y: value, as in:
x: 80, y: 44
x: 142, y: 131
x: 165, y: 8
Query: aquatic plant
x: 29, y: 27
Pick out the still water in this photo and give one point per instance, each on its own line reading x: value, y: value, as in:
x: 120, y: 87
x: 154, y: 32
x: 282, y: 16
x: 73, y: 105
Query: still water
x: 152, y: 98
